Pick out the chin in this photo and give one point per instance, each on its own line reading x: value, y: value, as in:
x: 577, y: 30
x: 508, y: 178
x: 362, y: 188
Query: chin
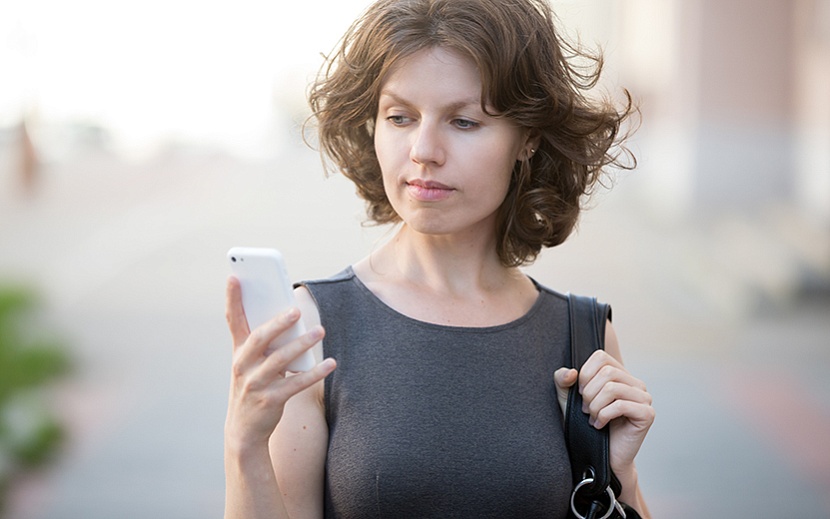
x: 428, y: 227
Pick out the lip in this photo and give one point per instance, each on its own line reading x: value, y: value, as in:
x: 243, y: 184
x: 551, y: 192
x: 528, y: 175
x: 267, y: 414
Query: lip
x: 427, y: 184
x: 428, y: 190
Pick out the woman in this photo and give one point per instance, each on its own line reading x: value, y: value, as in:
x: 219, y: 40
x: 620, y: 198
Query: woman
x: 464, y: 122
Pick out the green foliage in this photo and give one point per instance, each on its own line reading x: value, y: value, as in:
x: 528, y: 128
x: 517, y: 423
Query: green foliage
x: 29, y: 434
x: 39, y: 444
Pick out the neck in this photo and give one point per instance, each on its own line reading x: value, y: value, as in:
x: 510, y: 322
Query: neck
x: 446, y: 280
x: 455, y: 264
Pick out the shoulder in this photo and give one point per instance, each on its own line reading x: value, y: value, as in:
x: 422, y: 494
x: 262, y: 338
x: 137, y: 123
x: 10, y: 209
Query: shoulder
x: 612, y: 343
x: 345, y: 275
x: 315, y: 298
x: 549, y: 293
x: 332, y: 295
x: 566, y: 297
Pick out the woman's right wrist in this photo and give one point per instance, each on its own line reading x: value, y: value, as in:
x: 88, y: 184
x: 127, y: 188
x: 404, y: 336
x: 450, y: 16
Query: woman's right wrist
x: 251, y: 489
x: 244, y: 448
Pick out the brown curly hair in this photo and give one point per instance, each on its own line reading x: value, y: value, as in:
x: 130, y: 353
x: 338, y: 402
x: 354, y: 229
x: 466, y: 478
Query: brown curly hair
x: 529, y: 74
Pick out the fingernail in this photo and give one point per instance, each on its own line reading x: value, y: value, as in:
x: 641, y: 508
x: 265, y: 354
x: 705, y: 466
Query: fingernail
x: 316, y: 333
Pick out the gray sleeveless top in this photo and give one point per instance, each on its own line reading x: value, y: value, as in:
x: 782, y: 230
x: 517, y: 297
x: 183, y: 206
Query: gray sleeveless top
x: 432, y: 421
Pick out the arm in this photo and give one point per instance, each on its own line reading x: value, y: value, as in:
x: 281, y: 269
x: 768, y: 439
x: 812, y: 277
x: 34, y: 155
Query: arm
x: 300, y: 442
x: 261, y: 396
x: 611, y: 395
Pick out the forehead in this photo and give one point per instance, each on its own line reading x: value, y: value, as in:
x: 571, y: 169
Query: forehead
x: 434, y: 68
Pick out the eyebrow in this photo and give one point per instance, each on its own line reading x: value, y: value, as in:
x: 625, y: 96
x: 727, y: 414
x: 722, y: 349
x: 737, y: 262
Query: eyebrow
x: 471, y: 101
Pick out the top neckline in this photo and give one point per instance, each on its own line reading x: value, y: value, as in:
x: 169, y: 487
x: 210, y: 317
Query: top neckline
x: 350, y: 274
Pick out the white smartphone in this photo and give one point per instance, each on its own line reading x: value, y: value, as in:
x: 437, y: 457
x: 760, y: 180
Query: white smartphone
x: 267, y: 291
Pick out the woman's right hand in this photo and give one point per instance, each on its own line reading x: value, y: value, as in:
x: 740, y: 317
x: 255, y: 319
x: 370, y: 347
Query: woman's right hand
x: 259, y: 385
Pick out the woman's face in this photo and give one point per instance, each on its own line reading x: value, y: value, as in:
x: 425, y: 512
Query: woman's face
x: 446, y: 164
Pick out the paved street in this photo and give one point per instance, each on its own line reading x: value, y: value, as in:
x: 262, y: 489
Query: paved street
x: 129, y: 257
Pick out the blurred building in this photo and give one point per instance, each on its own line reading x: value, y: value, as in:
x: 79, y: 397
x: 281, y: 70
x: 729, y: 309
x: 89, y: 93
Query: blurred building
x: 735, y: 99
x: 742, y: 89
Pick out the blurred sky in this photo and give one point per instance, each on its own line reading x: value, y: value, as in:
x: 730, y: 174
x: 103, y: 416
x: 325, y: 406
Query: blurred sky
x: 217, y: 73
x: 162, y: 69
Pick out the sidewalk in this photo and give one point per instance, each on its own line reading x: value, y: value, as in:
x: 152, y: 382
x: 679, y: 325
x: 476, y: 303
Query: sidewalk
x: 131, y: 260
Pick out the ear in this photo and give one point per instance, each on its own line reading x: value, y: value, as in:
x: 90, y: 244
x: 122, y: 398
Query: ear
x: 531, y: 144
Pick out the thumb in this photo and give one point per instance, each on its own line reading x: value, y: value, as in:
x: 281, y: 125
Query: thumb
x: 563, y: 379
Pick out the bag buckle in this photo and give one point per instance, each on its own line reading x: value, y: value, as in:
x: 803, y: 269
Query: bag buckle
x: 613, y: 503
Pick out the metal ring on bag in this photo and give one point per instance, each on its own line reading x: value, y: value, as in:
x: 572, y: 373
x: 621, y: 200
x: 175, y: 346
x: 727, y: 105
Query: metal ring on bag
x: 612, y: 505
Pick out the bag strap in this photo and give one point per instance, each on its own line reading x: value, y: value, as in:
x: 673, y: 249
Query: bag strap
x: 595, y: 485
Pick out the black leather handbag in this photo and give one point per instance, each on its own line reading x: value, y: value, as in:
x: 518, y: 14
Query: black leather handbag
x: 595, y: 487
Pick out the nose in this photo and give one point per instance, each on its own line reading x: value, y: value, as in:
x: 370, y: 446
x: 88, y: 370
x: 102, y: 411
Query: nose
x: 427, y: 146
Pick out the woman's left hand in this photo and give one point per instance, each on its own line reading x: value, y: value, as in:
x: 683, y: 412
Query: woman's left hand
x: 611, y: 395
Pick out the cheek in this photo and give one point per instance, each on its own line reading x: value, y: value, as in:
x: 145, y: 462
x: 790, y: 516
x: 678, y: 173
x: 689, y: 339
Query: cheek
x: 502, y: 149
x: 504, y: 186
x: 385, y: 157
x: 377, y: 141
x: 384, y: 151
x: 504, y: 162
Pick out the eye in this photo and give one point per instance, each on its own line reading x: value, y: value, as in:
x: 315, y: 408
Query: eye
x: 465, y: 124
x: 397, y: 120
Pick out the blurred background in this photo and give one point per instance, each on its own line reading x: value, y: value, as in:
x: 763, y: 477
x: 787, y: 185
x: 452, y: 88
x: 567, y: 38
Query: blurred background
x: 140, y: 141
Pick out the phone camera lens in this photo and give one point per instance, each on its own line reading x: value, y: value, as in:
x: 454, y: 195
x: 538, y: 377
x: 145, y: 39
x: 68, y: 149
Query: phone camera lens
x: 233, y: 258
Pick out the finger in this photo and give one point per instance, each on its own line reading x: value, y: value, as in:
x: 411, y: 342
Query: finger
x: 234, y: 313
x: 299, y: 382
x: 262, y: 336
x: 563, y: 379
x: 593, y: 380
x: 638, y: 414
x: 611, y: 393
x: 607, y: 380
x: 596, y: 362
x: 278, y: 360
